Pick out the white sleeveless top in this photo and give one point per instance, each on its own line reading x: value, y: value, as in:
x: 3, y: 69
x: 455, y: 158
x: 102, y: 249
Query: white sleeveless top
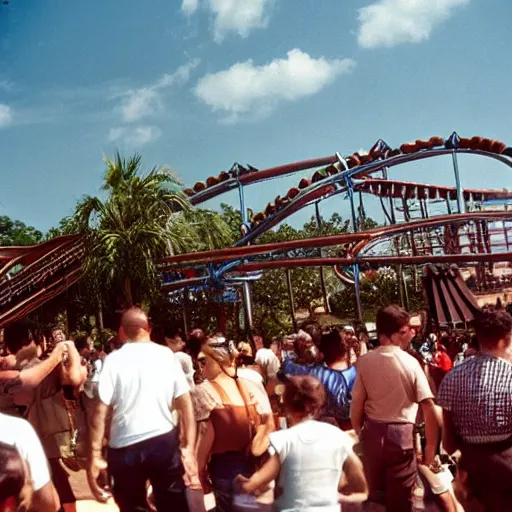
x: 312, y: 455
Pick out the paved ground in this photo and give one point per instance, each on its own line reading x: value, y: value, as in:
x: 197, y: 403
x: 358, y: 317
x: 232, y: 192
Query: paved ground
x: 94, y: 506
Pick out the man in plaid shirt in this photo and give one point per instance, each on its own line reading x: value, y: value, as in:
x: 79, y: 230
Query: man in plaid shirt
x: 476, y: 397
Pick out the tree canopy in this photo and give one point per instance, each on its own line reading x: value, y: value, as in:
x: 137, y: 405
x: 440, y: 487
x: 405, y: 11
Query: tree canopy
x: 15, y: 232
x: 141, y: 220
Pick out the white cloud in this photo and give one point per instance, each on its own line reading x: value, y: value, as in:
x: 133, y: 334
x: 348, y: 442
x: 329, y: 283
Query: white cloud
x: 5, y: 115
x: 189, y: 6
x: 235, y: 16
x: 146, y: 101
x: 134, y: 136
x: 392, y: 22
x: 254, y: 91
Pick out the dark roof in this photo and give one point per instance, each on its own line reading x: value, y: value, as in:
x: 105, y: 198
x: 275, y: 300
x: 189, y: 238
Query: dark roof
x: 449, y: 299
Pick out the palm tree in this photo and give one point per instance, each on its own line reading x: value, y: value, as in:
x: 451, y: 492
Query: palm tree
x: 141, y: 220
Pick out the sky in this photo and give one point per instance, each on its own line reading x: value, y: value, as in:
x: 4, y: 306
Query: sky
x: 197, y: 85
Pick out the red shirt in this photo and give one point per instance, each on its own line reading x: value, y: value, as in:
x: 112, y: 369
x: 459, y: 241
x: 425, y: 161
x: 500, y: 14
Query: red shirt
x: 443, y: 361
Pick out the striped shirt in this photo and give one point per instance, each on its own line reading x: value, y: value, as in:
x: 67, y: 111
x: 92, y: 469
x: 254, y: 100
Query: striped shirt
x: 338, y: 385
x: 478, y: 394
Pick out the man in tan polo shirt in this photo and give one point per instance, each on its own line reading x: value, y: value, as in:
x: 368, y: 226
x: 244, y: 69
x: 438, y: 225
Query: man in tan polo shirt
x: 389, y: 386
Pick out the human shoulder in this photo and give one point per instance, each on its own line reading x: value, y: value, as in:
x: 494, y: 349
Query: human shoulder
x: 368, y: 359
x: 15, y: 431
x: 9, y: 423
x: 204, y: 400
x: 328, y: 431
x: 255, y: 389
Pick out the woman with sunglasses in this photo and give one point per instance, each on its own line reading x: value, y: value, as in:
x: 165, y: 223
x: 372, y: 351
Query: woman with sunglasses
x: 234, y: 417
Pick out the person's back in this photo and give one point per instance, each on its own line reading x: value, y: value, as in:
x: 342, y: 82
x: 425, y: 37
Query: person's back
x: 389, y: 375
x: 389, y: 386
x: 268, y: 361
x: 476, y: 397
x: 136, y: 382
x: 312, y: 455
x: 140, y: 383
x: 20, y: 435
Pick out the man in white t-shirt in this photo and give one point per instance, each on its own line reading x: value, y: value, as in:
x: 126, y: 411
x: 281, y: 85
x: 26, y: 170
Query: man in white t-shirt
x: 140, y: 383
x: 267, y: 359
x: 20, y: 434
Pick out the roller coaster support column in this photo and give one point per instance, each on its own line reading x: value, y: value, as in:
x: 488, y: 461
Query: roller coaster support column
x: 399, y: 269
x: 246, y: 290
x: 350, y: 190
x: 391, y: 201
x: 322, y: 276
x: 461, y: 205
x: 291, y: 299
x: 185, y: 305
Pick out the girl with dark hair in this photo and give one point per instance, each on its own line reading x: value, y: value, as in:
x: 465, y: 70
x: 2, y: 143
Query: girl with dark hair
x: 312, y: 460
x: 12, y: 479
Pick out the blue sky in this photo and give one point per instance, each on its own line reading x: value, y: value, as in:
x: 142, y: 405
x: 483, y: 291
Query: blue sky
x: 198, y: 85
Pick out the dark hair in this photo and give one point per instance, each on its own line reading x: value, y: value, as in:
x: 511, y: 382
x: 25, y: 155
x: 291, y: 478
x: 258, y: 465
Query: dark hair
x: 16, y: 336
x: 391, y: 319
x: 313, y: 329
x: 172, y: 330
x: 244, y: 359
x: 12, y: 476
x: 333, y: 347
x: 267, y: 342
x: 81, y: 342
x: 492, y: 325
x: 304, y: 395
x: 196, y: 339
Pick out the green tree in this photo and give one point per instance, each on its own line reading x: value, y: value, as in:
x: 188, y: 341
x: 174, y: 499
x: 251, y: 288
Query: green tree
x: 15, y: 232
x: 67, y: 226
x: 141, y: 220
x: 270, y: 292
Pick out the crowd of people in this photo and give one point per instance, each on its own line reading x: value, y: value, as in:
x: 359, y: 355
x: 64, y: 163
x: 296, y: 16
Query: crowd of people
x: 318, y: 420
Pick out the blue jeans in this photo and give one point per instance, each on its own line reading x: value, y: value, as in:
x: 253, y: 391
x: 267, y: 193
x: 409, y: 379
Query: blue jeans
x: 157, y: 460
x: 223, y: 468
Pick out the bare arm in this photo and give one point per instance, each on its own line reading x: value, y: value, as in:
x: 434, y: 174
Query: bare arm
x: 45, y: 499
x: 353, y: 481
x: 96, y: 463
x: 451, y: 442
x: 357, y: 405
x: 97, y: 426
x: 183, y: 404
x: 432, y: 427
x: 268, y: 472
x: 72, y: 372
x: 32, y: 377
x: 14, y: 381
x: 205, y: 438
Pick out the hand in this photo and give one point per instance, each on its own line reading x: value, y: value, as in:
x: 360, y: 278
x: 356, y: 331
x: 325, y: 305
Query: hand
x: 239, y: 484
x: 59, y: 351
x: 191, y: 476
x: 97, y: 464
